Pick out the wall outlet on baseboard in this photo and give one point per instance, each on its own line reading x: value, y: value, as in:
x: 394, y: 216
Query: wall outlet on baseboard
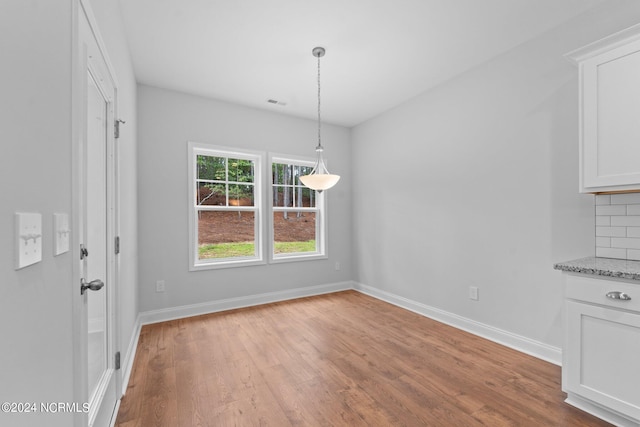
x: 473, y: 293
x: 160, y: 286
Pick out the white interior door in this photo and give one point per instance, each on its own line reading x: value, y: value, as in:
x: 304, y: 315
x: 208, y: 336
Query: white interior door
x: 96, y: 262
x: 97, y: 232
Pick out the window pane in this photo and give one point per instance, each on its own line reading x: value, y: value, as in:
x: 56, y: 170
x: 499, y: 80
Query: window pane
x: 305, y: 197
x: 294, y: 232
x: 211, y: 194
x: 211, y: 167
x: 283, y: 174
x: 288, y: 175
x: 276, y: 174
x: 278, y: 197
x: 226, y: 234
x: 302, y: 171
x: 240, y: 170
x: 240, y: 195
x: 293, y: 197
x: 308, y: 197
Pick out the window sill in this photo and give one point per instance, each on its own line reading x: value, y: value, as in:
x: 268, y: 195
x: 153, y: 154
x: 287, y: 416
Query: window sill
x: 227, y: 264
x: 295, y: 258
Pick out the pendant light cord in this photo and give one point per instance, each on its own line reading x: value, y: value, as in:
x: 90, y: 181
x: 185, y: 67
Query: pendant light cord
x: 319, y: 140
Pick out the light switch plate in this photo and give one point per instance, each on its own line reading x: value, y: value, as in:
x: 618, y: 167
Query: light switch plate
x: 28, y: 239
x: 61, y: 233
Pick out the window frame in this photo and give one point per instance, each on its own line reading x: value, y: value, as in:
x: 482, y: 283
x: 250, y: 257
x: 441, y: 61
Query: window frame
x: 320, y: 212
x: 194, y: 150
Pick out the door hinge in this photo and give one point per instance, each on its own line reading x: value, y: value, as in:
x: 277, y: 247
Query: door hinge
x: 117, y: 361
x: 117, y: 245
x: 116, y: 128
x: 83, y: 252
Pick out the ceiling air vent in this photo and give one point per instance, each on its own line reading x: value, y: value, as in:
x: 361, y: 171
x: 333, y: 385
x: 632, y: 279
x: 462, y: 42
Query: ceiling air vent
x: 276, y: 102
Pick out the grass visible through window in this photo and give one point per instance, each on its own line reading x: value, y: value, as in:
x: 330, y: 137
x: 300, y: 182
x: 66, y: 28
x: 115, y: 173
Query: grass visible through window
x: 295, y: 247
x: 226, y: 250
x: 247, y: 249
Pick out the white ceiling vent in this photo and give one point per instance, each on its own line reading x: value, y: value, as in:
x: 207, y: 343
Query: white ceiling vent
x: 276, y: 102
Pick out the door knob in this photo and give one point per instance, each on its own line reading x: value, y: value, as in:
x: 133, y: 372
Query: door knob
x: 94, y: 285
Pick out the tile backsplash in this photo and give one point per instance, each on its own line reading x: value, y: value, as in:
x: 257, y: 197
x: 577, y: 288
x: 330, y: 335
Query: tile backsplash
x: 618, y: 226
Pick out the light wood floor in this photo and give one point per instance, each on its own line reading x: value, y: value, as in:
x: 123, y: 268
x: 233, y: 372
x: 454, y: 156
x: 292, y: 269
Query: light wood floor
x: 343, y: 359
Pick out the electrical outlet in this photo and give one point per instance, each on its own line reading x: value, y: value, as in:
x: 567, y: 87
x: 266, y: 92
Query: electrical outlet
x: 160, y: 286
x: 473, y: 293
x: 337, y: 266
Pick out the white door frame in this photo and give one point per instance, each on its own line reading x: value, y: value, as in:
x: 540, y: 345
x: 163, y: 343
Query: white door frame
x: 87, y: 44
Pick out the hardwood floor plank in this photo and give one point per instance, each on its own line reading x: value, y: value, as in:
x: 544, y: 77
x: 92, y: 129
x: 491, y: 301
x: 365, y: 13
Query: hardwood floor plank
x: 342, y: 359
x: 129, y: 410
x: 287, y: 393
x: 360, y: 409
x: 256, y: 407
x: 192, y: 395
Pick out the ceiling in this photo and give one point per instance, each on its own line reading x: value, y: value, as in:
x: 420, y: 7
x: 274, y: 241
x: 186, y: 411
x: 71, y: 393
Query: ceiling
x: 380, y: 53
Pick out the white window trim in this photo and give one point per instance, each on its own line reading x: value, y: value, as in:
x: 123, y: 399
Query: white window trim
x: 321, y: 215
x: 197, y: 148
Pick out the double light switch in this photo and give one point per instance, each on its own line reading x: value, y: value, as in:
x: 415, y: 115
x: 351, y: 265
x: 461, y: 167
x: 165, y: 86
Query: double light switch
x: 28, y: 240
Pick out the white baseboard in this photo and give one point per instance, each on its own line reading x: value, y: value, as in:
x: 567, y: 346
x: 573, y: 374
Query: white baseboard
x: 596, y: 410
x: 127, y: 363
x: 114, y: 416
x: 517, y: 342
x: 180, y: 312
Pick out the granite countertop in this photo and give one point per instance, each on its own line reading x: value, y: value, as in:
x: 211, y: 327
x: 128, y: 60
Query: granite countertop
x: 609, y: 267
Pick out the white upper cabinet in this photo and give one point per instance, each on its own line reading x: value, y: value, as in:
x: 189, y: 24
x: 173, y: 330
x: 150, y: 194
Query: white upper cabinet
x: 610, y: 113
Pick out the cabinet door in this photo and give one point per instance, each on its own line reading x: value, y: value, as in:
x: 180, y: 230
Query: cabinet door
x: 611, y: 120
x: 603, y: 360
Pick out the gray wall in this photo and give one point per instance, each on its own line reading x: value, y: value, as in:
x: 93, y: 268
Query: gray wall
x: 36, y: 361
x: 486, y: 186
x: 167, y: 121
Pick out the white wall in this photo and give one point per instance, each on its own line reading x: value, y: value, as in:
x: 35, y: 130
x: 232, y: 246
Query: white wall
x: 167, y: 121
x: 36, y: 361
x: 485, y: 186
x: 110, y: 24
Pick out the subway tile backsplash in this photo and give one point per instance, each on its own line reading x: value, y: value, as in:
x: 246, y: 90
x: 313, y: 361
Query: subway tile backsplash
x: 611, y: 231
x: 611, y: 210
x: 618, y: 226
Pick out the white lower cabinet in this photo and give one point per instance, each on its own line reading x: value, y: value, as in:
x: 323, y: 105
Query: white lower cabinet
x: 601, y: 355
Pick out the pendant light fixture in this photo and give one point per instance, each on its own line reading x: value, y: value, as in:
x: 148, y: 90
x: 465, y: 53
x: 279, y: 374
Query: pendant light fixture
x: 319, y: 179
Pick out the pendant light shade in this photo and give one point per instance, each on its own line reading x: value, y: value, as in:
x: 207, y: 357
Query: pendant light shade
x: 319, y: 179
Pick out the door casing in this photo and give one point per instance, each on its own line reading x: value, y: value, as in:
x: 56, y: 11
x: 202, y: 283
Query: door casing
x: 89, y: 55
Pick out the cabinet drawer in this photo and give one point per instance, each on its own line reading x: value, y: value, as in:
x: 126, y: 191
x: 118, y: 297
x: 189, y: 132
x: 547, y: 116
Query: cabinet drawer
x: 589, y: 289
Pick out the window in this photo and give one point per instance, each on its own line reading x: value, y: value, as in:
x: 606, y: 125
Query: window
x: 297, y: 212
x: 226, y: 219
x: 226, y: 202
